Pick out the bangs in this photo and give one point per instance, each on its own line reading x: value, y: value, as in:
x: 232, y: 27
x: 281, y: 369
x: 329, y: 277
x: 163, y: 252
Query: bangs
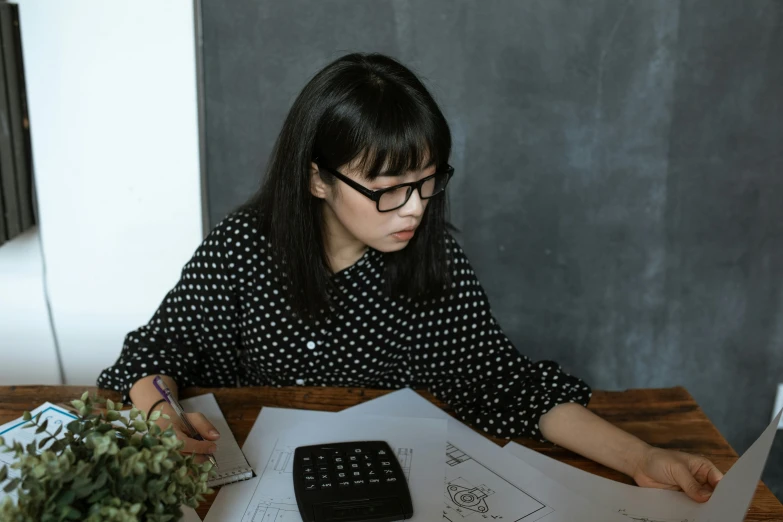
x: 385, y: 131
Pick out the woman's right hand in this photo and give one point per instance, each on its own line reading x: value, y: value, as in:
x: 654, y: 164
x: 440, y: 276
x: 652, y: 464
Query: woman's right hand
x: 205, y: 428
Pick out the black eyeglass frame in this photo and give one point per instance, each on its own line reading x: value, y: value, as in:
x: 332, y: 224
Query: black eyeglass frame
x: 375, y: 195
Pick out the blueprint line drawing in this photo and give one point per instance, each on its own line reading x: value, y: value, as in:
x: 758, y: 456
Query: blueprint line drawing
x: 275, y: 512
x: 476, y: 493
x: 283, y: 459
x: 642, y: 518
x: 405, y: 456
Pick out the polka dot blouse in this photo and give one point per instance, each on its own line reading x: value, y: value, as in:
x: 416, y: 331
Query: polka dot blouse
x: 227, y: 323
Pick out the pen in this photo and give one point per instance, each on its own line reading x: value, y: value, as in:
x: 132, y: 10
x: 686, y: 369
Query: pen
x: 169, y: 398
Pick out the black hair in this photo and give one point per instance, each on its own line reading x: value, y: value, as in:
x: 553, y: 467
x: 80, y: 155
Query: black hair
x: 371, y: 109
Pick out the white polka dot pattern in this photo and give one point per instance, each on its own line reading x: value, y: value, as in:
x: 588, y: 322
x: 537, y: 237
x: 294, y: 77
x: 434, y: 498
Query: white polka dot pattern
x: 228, y: 322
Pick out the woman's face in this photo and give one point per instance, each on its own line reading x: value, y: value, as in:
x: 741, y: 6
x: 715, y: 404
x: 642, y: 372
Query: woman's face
x: 354, y: 216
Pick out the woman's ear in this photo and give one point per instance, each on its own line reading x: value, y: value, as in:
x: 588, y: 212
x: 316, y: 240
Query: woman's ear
x: 317, y: 186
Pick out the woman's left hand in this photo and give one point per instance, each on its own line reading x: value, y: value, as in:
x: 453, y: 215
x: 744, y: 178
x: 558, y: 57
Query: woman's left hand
x: 675, y: 470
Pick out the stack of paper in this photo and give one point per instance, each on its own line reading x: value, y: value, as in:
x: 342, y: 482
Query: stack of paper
x: 472, y: 479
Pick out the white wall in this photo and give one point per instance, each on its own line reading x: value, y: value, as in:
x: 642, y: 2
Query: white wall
x: 27, y: 350
x: 114, y: 127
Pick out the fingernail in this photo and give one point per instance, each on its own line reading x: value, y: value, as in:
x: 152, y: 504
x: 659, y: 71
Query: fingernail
x: 704, y: 492
x: 214, y: 433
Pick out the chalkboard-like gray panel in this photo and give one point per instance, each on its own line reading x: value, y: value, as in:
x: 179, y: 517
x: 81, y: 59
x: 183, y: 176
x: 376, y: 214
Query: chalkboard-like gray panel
x: 619, y: 171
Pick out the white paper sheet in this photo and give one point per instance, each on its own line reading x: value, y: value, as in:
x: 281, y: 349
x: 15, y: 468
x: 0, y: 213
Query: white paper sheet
x: 734, y: 493
x: 481, y: 482
x: 652, y: 505
x: 420, y: 445
x: 729, y: 502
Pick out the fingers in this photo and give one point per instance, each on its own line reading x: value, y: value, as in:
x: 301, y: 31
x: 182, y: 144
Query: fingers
x: 714, y: 475
x: 197, y: 446
x: 689, y: 484
x: 203, y: 426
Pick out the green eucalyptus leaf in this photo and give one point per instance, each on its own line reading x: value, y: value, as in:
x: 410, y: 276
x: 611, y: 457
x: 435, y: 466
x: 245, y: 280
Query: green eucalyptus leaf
x: 75, y: 427
x: 26, y: 416
x: 12, y: 484
x: 109, y: 404
x: 3, y: 473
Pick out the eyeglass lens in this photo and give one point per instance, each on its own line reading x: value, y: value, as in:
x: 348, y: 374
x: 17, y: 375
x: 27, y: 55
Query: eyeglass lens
x: 396, y: 198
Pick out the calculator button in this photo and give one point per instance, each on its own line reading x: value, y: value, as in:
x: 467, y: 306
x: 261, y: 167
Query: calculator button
x: 357, y: 450
x: 371, y: 473
x: 356, y: 474
x: 311, y: 486
x: 320, y: 459
x: 387, y: 472
x: 340, y: 467
x: 381, y: 453
x: 323, y: 476
x: 307, y: 460
x: 338, y: 460
x: 309, y: 478
x: 308, y: 470
x: 353, y: 458
x: 385, y: 463
x: 367, y: 457
x: 359, y: 482
x: 323, y: 469
x: 391, y: 479
x: 344, y: 483
x: 374, y: 481
x: 369, y: 465
x: 354, y: 466
x: 342, y: 475
x: 326, y: 485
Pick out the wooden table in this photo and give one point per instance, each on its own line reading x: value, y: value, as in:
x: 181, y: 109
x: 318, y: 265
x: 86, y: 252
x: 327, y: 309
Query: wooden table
x: 667, y: 418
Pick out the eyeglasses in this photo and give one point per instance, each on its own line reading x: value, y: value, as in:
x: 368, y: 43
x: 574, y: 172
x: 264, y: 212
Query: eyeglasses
x: 392, y: 198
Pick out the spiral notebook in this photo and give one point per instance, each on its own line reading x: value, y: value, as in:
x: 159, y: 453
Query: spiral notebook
x: 232, y: 464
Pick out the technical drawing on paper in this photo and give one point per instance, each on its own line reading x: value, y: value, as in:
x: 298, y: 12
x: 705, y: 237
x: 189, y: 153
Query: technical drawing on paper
x: 642, y: 518
x: 405, y: 456
x: 282, y: 459
x: 469, y: 497
x: 267, y: 511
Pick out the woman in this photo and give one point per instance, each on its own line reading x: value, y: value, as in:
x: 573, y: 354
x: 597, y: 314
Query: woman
x: 341, y: 272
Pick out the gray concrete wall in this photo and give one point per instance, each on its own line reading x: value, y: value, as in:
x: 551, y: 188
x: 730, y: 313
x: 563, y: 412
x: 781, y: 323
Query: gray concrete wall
x: 619, y: 175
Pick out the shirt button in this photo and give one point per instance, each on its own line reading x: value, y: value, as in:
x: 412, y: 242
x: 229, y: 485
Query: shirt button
x: 310, y: 345
x: 300, y: 382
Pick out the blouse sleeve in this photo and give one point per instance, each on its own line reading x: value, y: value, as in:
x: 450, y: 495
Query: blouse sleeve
x: 464, y: 358
x: 193, y: 336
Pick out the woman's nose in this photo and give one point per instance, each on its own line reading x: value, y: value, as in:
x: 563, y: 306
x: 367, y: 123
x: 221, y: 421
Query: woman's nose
x: 414, y: 206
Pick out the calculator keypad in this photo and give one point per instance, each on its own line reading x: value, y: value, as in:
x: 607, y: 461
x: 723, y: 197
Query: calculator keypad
x: 347, y: 468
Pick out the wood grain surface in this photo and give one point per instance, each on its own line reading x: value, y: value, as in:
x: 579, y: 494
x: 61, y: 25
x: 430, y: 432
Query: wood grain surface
x: 667, y: 418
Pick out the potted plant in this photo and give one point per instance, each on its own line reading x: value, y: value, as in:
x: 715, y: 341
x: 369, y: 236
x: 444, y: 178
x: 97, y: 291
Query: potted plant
x: 103, y: 467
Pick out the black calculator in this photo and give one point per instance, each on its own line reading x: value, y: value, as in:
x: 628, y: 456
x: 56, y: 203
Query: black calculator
x: 350, y: 482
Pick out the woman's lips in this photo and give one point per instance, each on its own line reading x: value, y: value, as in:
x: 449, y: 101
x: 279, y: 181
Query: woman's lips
x: 405, y: 235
